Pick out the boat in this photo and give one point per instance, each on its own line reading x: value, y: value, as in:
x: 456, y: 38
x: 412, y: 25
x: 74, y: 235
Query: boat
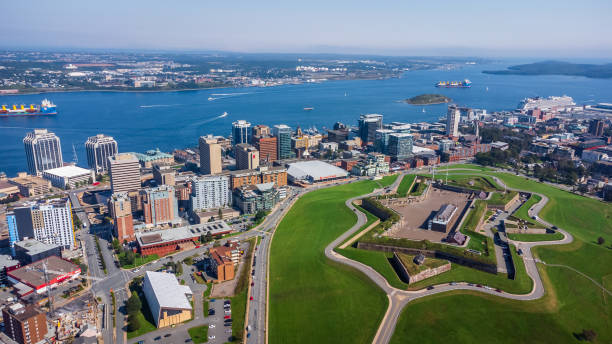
x: 211, y: 98
x: 223, y: 115
x: 455, y: 84
x: 46, y: 107
x: 308, y: 108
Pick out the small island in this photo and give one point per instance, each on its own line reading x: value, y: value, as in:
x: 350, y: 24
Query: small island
x: 603, y: 71
x: 428, y: 99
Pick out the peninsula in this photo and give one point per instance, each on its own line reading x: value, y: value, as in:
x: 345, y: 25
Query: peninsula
x: 603, y: 71
x: 428, y: 99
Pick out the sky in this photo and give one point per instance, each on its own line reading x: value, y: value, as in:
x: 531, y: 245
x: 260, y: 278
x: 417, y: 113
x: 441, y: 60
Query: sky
x: 444, y: 27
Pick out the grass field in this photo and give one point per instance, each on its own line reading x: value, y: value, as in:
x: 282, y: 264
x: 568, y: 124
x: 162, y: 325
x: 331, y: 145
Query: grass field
x: 478, y: 242
x: 379, y: 261
x: 147, y: 324
x: 313, y: 299
x: 483, y: 183
x: 405, y: 185
x: 572, y: 303
x: 464, y: 167
x: 199, y: 334
x: 138, y: 260
x: 523, y: 212
x: 499, y: 198
x: 535, y: 237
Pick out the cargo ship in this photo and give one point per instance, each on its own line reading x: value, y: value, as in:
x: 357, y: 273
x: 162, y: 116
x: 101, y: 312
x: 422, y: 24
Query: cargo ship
x: 452, y: 84
x: 46, y: 107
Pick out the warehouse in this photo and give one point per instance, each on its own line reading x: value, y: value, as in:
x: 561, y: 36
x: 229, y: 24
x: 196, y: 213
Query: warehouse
x: 167, y: 299
x: 32, y: 276
x: 314, y: 171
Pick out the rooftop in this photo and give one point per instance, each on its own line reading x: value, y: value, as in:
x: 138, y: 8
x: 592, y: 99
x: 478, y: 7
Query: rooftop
x: 315, y: 169
x: 56, y: 266
x: 168, y: 292
x: 181, y: 233
x: 68, y: 171
x: 34, y: 246
x: 7, y: 261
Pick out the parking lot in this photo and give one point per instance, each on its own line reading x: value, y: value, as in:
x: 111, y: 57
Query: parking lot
x: 222, y: 330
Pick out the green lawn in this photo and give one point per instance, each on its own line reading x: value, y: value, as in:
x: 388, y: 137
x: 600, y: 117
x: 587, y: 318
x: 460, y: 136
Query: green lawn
x: 478, y: 242
x: 535, y: 237
x: 413, y: 269
x: 379, y: 261
x: 138, y: 261
x: 313, y: 299
x: 199, y: 334
x: 464, y: 166
x: 239, y: 300
x: 471, y: 182
x: 418, y: 189
x: 405, y: 185
x: 523, y: 212
x: 147, y: 324
x: 499, y: 198
x: 371, y: 218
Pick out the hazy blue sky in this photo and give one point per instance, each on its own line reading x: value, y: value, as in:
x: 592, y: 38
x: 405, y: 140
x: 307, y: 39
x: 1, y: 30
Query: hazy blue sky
x: 443, y: 27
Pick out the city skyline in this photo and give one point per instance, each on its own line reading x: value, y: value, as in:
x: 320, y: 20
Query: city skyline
x: 473, y: 28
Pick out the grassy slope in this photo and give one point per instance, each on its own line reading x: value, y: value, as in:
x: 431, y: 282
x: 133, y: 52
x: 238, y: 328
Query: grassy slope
x: 379, y: 261
x: 199, y: 334
x: 572, y: 303
x: 310, y: 300
x: 535, y: 237
x: 405, y: 184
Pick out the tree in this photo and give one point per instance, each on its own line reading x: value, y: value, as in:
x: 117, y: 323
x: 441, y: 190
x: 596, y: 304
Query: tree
x: 129, y: 257
x: 133, y: 304
x: 116, y: 245
x: 133, y: 323
x: 601, y: 240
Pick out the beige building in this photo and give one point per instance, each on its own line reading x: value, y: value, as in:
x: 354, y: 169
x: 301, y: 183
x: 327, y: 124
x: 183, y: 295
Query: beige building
x: 247, y: 157
x: 164, y: 175
x: 167, y: 299
x: 30, y: 185
x: 124, y: 170
x: 210, y: 155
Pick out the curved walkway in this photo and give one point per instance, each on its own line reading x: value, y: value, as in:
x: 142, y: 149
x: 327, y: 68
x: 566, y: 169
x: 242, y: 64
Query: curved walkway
x: 398, y: 298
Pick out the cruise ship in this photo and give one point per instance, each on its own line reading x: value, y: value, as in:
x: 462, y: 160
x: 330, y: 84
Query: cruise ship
x: 550, y: 103
x: 46, y: 107
x: 455, y: 84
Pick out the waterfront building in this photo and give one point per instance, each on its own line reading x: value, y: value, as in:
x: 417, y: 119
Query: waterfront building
x: 164, y: 174
x: 282, y: 133
x: 247, y: 157
x: 210, y: 192
x: 152, y: 157
x: 452, y: 121
x: 368, y: 124
x: 260, y: 130
x: 241, y: 132
x: 210, y: 155
x: 338, y: 135
x: 168, y: 301
x: 25, y: 324
x: 120, y: 208
x: 124, y: 170
x: 98, y: 149
x: 47, y: 221
x: 400, y: 145
x: 68, y: 177
x: 267, y: 146
x: 261, y: 175
x: 43, y: 151
x: 30, y: 185
x: 253, y: 198
x: 159, y: 206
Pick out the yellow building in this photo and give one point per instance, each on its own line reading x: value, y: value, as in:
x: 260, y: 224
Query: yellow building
x: 167, y: 299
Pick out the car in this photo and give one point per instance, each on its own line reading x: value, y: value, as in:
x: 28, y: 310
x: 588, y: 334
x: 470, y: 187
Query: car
x: 228, y: 331
x: 212, y: 300
x: 430, y: 287
x: 188, y: 340
x: 251, y: 298
x: 211, y: 337
x: 453, y: 283
x: 498, y: 290
x: 227, y: 324
x: 157, y: 338
x: 227, y: 302
x: 479, y: 285
x: 227, y: 317
x: 140, y: 342
x: 167, y: 335
x: 211, y: 326
x: 555, y: 227
x: 252, y: 284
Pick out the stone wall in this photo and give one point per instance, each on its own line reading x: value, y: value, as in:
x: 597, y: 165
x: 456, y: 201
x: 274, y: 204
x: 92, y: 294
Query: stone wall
x: 406, y: 277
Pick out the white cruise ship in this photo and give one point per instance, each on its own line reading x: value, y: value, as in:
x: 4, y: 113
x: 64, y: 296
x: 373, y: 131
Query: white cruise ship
x: 550, y: 103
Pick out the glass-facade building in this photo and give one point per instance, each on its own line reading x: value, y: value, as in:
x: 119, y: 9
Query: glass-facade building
x: 400, y: 145
x: 241, y: 132
x: 99, y: 148
x: 43, y: 151
x: 368, y: 125
x: 283, y: 141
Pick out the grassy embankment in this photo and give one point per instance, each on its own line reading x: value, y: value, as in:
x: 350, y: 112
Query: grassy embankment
x: 405, y: 185
x: 239, y: 300
x: 572, y: 303
x: 309, y: 301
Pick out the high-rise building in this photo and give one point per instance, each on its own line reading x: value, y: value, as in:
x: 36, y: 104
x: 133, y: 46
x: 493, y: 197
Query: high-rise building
x: 596, y: 127
x: 99, y: 148
x: 452, y: 121
x: 210, y: 192
x: 25, y: 324
x: 159, y: 206
x: 382, y: 140
x: 13, y: 231
x: 43, y: 151
x: 282, y: 133
x: 48, y: 221
x: 241, y: 132
x: 266, y: 145
x: 210, y: 155
x: 400, y: 145
x: 247, y: 157
x: 120, y: 208
x: 260, y: 130
x: 368, y: 124
x: 124, y: 170
x: 164, y: 175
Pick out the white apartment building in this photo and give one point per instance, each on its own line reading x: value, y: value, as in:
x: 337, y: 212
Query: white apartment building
x: 210, y: 192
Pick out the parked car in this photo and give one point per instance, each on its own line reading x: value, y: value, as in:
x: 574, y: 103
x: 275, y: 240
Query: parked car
x: 227, y: 317
x: 430, y: 287
x: 251, y: 298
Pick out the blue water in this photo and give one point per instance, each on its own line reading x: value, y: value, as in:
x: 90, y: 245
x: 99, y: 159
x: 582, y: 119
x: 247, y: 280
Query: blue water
x: 144, y: 120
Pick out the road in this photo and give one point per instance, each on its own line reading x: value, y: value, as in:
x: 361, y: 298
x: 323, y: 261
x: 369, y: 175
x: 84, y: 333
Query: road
x: 398, y: 298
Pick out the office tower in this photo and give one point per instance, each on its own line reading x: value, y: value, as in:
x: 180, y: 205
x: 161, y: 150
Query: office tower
x: 282, y: 133
x: 49, y: 222
x: 210, y: 192
x: 98, y: 149
x: 400, y: 145
x: 25, y: 324
x: 596, y: 127
x: 261, y: 130
x: 241, y: 132
x: 164, y: 175
x: 43, y: 151
x: 382, y: 140
x: 159, y: 205
x: 368, y: 124
x: 452, y: 121
x: 210, y: 155
x: 267, y: 147
x: 120, y: 208
x: 124, y: 170
x: 13, y: 231
x: 247, y: 157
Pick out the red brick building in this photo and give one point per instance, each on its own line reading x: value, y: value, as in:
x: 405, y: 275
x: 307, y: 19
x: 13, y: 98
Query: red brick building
x: 24, y: 324
x: 266, y: 147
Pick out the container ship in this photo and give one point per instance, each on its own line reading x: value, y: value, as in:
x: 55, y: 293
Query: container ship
x: 452, y: 84
x: 46, y: 107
